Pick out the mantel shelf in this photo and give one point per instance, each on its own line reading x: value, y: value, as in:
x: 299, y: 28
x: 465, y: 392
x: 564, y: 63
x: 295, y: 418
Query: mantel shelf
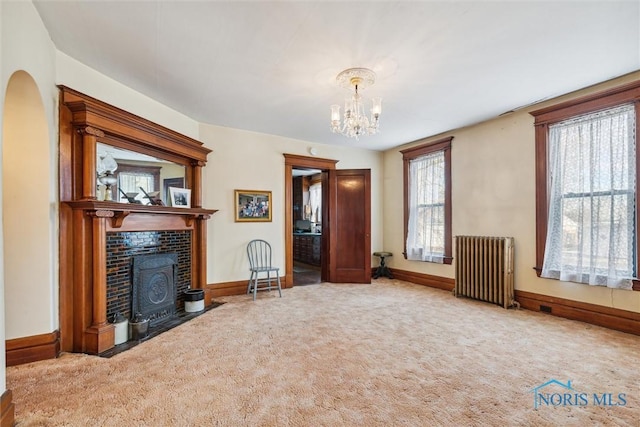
x: 97, y: 205
x: 119, y: 211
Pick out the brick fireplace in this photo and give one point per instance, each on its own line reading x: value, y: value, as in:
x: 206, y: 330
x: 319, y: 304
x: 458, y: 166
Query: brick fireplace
x: 163, y: 255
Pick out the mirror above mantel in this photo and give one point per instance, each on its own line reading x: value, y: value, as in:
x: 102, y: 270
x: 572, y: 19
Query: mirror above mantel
x: 139, y: 178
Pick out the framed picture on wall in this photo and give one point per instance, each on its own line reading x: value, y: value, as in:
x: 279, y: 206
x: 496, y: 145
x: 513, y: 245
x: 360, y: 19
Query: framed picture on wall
x: 252, y: 205
x: 180, y: 197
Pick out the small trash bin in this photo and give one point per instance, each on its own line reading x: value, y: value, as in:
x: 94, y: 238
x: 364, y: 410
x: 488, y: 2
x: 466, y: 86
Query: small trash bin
x: 138, y: 327
x: 193, y: 300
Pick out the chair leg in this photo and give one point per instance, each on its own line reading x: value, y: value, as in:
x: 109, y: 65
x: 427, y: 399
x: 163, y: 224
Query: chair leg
x: 255, y: 287
x: 279, y: 288
x: 250, y: 281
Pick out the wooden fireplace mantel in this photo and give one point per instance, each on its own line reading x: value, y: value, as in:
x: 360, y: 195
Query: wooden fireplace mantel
x: 118, y: 212
x: 86, y: 221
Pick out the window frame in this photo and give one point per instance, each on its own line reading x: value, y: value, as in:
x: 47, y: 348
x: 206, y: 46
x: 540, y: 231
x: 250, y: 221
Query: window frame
x: 544, y: 117
x: 419, y: 151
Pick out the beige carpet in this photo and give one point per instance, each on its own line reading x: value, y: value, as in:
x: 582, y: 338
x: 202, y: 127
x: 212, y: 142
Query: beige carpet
x: 386, y: 354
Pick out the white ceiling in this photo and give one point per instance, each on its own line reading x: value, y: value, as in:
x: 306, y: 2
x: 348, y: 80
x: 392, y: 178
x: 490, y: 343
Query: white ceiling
x: 270, y: 66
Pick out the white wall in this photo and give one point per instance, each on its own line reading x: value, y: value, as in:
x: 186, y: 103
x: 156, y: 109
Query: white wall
x: 26, y: 46
x: 29, y: 218
x: 78, y: 76
x: 253, y: 161
x: 493, y: 186
x: 3, y: 357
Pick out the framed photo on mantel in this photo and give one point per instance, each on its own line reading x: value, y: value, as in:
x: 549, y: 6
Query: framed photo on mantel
x: 252, y: 205
x: 180, y: 197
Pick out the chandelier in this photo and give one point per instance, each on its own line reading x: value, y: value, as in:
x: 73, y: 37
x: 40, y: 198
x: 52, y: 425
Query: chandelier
x: 356, y: 122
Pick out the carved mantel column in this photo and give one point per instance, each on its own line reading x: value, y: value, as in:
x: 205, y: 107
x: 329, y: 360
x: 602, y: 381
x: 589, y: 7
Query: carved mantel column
x: 100, y: 335
x: 90, y: 137
x: 196, y: 194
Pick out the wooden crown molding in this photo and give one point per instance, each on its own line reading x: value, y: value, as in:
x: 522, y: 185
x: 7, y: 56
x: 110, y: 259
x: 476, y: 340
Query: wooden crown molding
x: 92, y: 115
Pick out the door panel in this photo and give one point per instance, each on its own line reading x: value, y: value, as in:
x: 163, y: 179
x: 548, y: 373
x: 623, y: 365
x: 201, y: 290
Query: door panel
x: 350, y: 225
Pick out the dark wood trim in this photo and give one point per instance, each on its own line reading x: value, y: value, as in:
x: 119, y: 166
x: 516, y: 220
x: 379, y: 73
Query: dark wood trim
x: 33, y: 348
x: 238, y: 287
x: 7, y: 410
x: 589, y: 103
x: 116, y: 207
x: 612, y: 318
x: 292, y: 161
x: 84, y: 221
x: 419, y: 151
x: 302, y: 162
x: 145, y: 135
x: 542, y: 204
x: 562, y: 111
x: 432, y: 281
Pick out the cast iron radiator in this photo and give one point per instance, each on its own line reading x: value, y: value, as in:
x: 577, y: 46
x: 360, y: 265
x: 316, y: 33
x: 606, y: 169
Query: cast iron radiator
x: 484, y: 269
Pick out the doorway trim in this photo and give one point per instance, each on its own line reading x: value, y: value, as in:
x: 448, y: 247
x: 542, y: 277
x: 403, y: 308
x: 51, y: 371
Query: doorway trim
x: 292, y: 161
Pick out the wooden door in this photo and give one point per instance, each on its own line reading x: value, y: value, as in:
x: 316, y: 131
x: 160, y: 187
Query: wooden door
x: 349, y: 239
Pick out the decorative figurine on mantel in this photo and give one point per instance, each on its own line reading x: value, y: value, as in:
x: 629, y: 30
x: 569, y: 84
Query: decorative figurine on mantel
x: 153, y: 197
x: 131, y: 197
x: 105, y: 169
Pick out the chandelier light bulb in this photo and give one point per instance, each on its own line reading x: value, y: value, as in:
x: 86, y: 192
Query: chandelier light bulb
x: 376, y: 108
x: 335, y: 113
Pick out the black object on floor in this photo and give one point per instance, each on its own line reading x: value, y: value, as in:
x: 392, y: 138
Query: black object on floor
x: 383, y: 270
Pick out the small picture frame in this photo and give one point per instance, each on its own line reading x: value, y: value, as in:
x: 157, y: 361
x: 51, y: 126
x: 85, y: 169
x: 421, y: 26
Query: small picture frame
x: 180, y: 197
x: 253, y: 206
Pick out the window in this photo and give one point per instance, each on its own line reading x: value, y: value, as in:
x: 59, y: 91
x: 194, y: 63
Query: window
x: 131, y: 178
x: 427, y: 202
x: 586, y: 192
x: 315, y: 200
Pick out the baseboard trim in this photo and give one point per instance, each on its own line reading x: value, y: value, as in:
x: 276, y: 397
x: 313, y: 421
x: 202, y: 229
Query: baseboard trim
x: 33, y: 348
x: 7, y: 409
x: 238, y: 287
x: 612, y: 318
x: 439, y: 282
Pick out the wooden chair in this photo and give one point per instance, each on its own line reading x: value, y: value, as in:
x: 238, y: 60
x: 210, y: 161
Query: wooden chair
x: 259, y: 252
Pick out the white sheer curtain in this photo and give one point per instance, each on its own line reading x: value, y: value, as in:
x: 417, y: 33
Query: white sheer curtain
x: 130, y: 182
x: 591, y: 226
x: 425, y: 236
x: 315, y: 200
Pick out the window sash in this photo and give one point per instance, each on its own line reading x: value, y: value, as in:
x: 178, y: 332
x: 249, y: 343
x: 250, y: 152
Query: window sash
x: 550, y: 114
x: 426, y: 231
x: 591, y: 232
x: 409, y: 154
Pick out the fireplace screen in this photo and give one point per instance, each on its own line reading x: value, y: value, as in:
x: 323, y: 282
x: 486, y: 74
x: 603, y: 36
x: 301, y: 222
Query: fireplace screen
x: 154, y: 287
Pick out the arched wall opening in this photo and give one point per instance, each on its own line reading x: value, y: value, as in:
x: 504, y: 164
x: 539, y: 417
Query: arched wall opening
x: 28, y: 213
